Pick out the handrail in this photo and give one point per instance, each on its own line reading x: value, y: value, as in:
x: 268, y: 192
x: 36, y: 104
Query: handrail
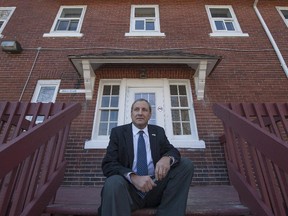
x: 32, y: 161
x: 256, y: 152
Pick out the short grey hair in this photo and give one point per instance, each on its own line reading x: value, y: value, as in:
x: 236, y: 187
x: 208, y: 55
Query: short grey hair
x: 139, y: 100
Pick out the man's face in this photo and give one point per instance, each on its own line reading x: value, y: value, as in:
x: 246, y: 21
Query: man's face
x: 140, y: 114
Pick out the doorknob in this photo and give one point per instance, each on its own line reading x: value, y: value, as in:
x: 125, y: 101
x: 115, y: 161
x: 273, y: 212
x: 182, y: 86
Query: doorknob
x: 160, y: 108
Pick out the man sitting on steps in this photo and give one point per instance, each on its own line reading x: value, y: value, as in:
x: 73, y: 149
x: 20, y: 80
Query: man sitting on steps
x: 143, y: 169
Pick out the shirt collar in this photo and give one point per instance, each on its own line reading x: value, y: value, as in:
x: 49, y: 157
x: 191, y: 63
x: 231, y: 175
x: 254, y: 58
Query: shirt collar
x: 135, y: 130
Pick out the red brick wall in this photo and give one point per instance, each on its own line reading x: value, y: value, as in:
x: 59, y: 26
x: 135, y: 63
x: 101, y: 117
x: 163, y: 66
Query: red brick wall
x: 249, y: 71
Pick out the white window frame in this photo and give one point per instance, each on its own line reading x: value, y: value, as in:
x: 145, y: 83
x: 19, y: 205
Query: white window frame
x: 76, y: 33
x: 45, y: 83
x: 149, y: 33
x: 6, y: 20
x: 281, y: 14
x: 224, y: 33
x: 40, y: 84
x: 179, y: 141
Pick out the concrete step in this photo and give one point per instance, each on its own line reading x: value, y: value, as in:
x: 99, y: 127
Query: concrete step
x: 212, y: 200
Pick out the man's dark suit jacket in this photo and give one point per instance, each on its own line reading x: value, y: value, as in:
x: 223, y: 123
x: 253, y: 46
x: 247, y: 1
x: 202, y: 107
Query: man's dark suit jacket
x: 120, y: 151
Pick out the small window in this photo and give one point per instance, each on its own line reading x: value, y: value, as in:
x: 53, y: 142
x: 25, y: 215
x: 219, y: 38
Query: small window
x: 223, y: 21
x: 5, y: 14
x: 68, y: 22
x: 45, y: 92
x: 144, y: 21
x: 284, y: 14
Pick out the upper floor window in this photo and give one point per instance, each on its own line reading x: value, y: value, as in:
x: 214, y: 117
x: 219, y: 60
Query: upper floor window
x: 145, y: 21
x: 5, y: 14
x: 223, y: 21
x: 68, y: 22
x: 283, y: 13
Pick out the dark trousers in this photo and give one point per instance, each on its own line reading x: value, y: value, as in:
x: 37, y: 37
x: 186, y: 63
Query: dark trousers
x: 120, y: 198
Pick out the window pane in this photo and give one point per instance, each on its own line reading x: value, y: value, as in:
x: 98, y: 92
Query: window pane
x: 144, y: 12
x: 62, y: 25
x: 115, y: 90
x: 114, y: 116
x: 103, y: 129
x: 104, y: 115
x: 173, y: 90
x: 46, y: 94
x: 230, y: 26
x: 182, y: 90
x: 139, y: 24
x: 174, y: 101
x: 106, y: 90
x: 219, y: 25
x: 73, y: 25
x: 175, y: 115
x: 105, y: 101
x: 71, y: 13
x: 186, y: 129
x: 176, y: 128
x: 220, y: 13
x: 150, y: 25
x: 185, y: 115
x: 4, y: 14
x: 114, y: 101
x: 183, y: 101
x: 285, y: 13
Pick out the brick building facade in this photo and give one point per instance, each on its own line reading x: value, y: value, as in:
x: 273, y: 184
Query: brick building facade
x: 195, y: 52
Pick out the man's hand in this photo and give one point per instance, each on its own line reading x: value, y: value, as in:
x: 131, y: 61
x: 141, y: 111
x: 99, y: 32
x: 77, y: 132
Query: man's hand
x: 142, y: 183
x: 162, y: 168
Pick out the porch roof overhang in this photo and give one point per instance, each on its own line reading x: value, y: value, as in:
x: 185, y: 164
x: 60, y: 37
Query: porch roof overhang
x: 87, y: 65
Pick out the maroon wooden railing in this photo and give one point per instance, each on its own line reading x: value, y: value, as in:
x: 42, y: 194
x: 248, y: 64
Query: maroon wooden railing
x: 32, y: 161
x: 256, y: 151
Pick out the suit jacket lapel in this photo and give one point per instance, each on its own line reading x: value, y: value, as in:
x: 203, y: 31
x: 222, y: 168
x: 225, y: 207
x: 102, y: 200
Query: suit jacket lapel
x: 129, y: 142
x: 153, y: 142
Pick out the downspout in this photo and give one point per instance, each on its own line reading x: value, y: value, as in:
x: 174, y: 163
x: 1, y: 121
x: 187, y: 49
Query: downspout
x: 280, y: 57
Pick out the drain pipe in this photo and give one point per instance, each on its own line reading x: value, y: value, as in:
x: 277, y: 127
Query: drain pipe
x: 280, y: 57
x: 30, y: 73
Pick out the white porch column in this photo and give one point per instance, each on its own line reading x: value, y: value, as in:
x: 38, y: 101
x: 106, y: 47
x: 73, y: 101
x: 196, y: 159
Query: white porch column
x: 200, y: 78
x: 89, y: 79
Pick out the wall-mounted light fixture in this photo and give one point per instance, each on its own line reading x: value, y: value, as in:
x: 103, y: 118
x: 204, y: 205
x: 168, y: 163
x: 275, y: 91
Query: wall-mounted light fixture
x: 143, y: 74
x: 11, y: 46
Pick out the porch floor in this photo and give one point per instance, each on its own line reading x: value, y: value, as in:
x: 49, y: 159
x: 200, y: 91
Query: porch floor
x: 221, y: 200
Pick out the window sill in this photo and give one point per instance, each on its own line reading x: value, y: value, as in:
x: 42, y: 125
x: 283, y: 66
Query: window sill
x: 102, y: 144
x: 63, y: 34
x: 228, y: 34
x: 145, y: 34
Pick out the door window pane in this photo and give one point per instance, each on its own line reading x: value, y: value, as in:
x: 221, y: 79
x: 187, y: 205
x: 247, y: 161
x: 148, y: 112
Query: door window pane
x: 150, y: 97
